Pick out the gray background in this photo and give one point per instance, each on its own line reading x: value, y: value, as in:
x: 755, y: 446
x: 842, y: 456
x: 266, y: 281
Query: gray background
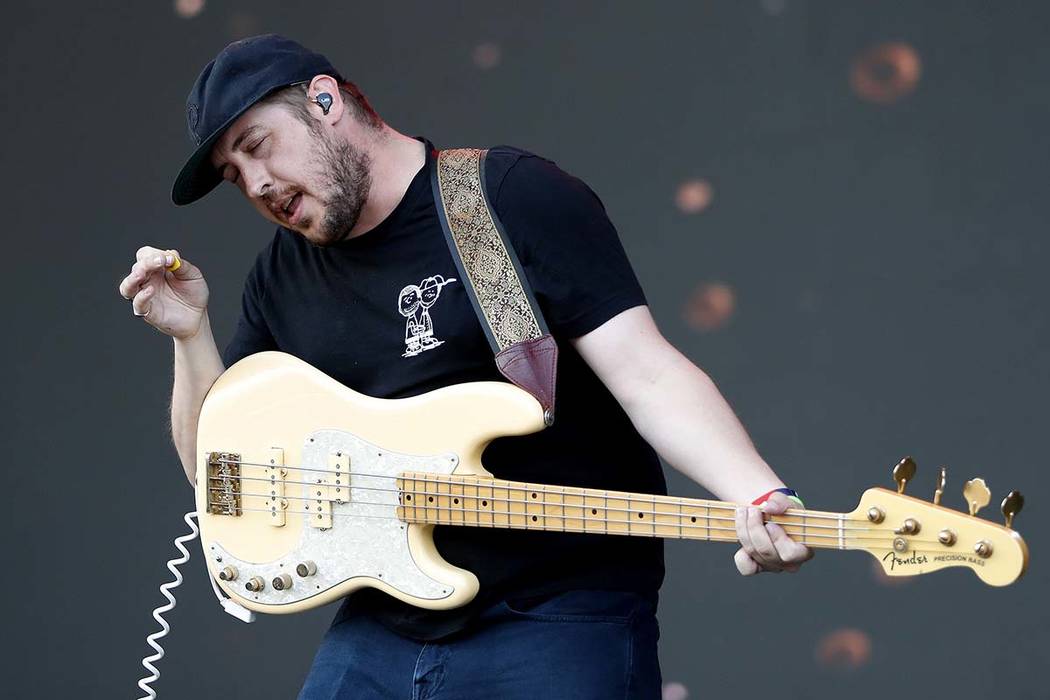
x: 887, y: 261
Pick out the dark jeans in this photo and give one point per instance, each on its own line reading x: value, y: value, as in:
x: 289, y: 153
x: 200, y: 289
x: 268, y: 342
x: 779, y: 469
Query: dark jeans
x: 578, y: 645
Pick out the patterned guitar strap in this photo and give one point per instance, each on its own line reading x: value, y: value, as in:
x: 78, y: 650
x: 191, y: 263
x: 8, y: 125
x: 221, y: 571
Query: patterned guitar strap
x: 526, y: 353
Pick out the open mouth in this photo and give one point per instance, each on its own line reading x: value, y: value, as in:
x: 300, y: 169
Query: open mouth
x: 293, y: 208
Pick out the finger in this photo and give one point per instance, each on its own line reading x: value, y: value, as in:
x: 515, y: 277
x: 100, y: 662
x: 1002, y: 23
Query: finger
x: 173, y: 261
x: 140, y: 305
x: 147, y: 252
x: 788, y: 549
x: 745, y: 564
x: 130, y: 285
x: 179, y: 267
x: 139, y: 276
x: 765, y: 551
x: 158, y: 257
x: 741, y: 532
x: 777, y: 503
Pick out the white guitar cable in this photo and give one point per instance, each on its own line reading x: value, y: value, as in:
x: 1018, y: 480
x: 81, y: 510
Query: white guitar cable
x: 229, y: 605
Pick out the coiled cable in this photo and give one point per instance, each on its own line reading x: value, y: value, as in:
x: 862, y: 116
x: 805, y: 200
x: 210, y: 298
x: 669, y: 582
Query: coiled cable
x: 158, y: 613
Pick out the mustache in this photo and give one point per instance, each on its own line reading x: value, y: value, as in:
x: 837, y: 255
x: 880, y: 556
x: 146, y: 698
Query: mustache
x: 276, y: 199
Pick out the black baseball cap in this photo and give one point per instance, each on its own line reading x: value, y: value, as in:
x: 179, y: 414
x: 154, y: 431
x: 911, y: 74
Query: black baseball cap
x: 242, y: 74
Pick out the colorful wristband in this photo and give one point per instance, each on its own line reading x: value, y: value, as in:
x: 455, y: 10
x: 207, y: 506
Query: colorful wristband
x: 790, y: 493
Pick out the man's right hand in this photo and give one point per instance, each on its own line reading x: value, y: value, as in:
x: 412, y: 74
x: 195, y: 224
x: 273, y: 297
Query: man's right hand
x: 172, y: 302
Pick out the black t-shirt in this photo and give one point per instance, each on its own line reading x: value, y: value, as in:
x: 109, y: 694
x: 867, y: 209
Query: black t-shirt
x: 351, y: 311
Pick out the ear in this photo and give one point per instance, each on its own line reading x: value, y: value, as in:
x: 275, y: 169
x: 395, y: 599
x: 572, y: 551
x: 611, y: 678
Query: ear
x: 328, y: 84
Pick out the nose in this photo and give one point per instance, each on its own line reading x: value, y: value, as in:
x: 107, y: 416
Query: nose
x: 256, y: 181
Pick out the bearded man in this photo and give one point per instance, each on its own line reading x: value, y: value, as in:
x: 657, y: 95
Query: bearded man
x: 559, y: 615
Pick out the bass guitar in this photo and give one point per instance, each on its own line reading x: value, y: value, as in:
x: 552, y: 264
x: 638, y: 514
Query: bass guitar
x: 308, y: 490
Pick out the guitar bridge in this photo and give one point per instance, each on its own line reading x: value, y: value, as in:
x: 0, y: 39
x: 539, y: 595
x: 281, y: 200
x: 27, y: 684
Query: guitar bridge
x: 224, y: 483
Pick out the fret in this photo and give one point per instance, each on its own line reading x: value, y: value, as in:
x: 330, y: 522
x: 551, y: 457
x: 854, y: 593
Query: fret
x: 517, y: 505
x: 500, y: 506
x: 486, y: 519
x: 692, y: 520
x: 574, y: 509
x: 534, y: 513
x: 553, y: 508
x: 679, y: 518
x: 471, y: 501
x: 420, y: 499
x: 639, y: 518
x: 665, y: 521
x: 455, y: 489
x: 413, y: 496
x: 436, y: 497
x: 593, y: 512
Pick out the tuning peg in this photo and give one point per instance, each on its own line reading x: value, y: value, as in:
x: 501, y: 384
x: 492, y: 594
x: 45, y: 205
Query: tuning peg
x: 977, y: 495
x: 942, y: 480
x: 1012, y: 505
x: 903, y: 473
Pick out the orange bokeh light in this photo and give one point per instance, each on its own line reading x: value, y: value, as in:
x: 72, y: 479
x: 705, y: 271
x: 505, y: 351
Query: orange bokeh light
x: 885, y: 73
x: 674, y: 691
x: 844, y: 648
x: 710, y: 306
x: 694, y: 196
x: 188, y: 8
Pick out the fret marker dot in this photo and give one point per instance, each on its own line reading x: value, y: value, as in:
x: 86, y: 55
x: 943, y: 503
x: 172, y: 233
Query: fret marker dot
x: 484, y: 504
x: 594, y: 511
x: 455, y: 500
x: 534, y: 518
x: 408, y: 498
x: 430, y: 498
x: 693, y: 519
x: 641, y: 515
x: 534, y: 495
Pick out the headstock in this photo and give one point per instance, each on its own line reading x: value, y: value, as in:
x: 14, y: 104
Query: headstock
x: 910, y: 536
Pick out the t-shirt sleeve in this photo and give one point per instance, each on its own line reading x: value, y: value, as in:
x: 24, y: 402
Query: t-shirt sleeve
x: 569, y: 248
x: 252, y: 334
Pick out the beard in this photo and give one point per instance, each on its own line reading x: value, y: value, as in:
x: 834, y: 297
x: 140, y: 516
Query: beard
x: 346, y: 173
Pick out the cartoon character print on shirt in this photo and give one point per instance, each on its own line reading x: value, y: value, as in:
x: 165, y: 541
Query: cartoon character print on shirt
x: 414, y: 303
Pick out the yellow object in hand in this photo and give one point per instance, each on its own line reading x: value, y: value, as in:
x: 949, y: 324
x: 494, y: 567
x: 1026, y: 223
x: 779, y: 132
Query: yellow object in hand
x: 174, y: 265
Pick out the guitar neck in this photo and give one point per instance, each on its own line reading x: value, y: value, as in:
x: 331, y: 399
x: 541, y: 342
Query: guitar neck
x: 472, y: 501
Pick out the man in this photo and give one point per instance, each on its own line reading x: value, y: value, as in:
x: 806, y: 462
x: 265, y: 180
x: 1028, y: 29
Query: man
x: 558, y: 615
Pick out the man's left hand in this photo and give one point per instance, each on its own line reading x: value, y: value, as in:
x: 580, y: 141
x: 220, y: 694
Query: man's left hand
x: 765, y: 546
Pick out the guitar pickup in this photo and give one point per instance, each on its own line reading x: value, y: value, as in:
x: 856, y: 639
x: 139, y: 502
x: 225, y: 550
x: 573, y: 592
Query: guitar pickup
x: 275, y: 476
x: 339, y: 477
x: 329, y: 487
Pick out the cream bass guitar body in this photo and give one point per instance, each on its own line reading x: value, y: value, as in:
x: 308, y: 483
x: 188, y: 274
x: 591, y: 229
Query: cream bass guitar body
x: 308, y: 490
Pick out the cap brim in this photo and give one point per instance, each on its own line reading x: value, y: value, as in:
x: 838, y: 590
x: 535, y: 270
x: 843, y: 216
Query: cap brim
x: 198, y: 176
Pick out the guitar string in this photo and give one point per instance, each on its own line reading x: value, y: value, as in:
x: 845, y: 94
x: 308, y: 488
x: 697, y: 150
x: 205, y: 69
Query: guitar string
x: 450, y: 479
x: 832, y: 539
x: 697, y: 503
x: 583, y: 518
x: 268, y: 496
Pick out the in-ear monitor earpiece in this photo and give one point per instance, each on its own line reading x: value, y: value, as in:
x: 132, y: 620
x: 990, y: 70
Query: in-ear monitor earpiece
x: 324, y: 100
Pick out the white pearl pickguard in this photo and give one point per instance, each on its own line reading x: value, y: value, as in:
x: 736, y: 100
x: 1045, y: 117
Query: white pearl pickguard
x: 366, y: 538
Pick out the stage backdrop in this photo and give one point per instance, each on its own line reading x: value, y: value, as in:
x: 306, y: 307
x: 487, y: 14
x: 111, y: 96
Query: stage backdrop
x: 837, y: 209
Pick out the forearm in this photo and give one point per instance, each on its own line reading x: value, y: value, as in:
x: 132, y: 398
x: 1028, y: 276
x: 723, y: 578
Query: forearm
x: 678, y: 409
x: 197, y: 366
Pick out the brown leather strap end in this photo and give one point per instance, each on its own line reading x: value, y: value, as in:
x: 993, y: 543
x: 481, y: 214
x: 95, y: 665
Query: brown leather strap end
x: 533, y: 366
